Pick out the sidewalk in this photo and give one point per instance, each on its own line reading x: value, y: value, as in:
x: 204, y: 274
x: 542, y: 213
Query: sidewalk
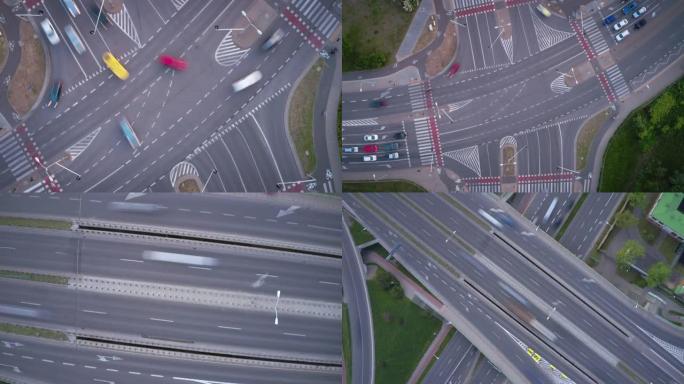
x: 405, y: 76
x: 429, y: 354
x: 422, y: 176
x: 425, y: 9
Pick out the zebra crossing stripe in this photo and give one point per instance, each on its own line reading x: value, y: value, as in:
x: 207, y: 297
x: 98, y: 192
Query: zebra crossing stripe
x: 617, y: 81
x: 360, y: 122
x: 547, y: 37
x: 595, y: 37
x: 123, y: 20
x: 227, y: 53
x: 178, y: 4
x: 75, y: 150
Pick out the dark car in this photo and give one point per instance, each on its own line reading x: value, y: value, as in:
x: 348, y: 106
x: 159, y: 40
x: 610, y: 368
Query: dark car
x: 55, y: 94
x: 378, y: 103
x: 400, y: 135
x: 95, y: 11
x: 454, y: 68
x: 389, y: 146
x: 609, y: 20
x: 639, y: 24
x: 629, y: 8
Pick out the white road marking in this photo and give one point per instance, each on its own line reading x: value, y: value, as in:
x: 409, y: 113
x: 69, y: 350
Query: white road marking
x: 134, y: 261
x: 233, y: 328
x: 164, y: 320
x: 95, y: 312
x: 29, y: 303
x: 294, y: 334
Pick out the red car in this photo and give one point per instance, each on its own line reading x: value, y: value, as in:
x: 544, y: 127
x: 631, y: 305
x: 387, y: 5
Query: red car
x: 173, y: 62
x: 454, y: 68
x: 370, y: 148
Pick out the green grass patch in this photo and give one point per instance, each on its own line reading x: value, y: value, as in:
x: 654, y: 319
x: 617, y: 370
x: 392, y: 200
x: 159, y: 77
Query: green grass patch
x: 52, y: 279
x: 359, y: 234
x: 403, y: 331
x: 571, y: 216
x: 36, y: 223
x: 382, y: 186
x: 300, y: 116
x: 372, y: 32
x: 594, y: 259
x: 587, y: 135
x: 346, y: 342
x: 648, y: 231
x: 644, y: 154
x: 632, y: 276
x: 379, y: 249
x: 668, y: 247
x: 445, y: 342
x: 32, y: 331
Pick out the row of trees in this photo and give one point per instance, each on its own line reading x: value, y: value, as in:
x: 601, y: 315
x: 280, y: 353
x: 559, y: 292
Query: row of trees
x: 632, y: 250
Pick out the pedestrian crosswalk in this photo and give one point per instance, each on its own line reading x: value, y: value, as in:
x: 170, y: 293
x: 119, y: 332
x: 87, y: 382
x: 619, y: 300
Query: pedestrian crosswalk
x: 547, y: 37
x: 617, y: 81
x: 328, y: 187
x: 592, y: 31
x: 15, y: 157
x: 123, y: 20
x: 421, y: 125
x: 227, y: 53
x: 553, y: 182
x: 473, y: 7
x: 318, y: 15
x: 360, y: 122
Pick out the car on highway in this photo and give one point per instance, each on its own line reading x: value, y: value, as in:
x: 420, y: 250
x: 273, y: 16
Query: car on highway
x: 115, y: 66
x: 73, y: 37
x: 247, y: 81
x: 620, y: 24
x: 629, y: 8
x: 378, y: 103
x: 173, y: 62
x: 638, y: 13
x: 71, y: 7
x: 50, y: 32
x: 609, y: 20
x: 272, y: 41
x: 453, y: 69
x: 393, y: 156
x: 350, y: 149
x: 621, y: 36
x: 543, y: 10
x: 370, y: 148
x: 372, y: 137
x: 639, y: 24
x: 400, y: 135
x: 104, y: 20
x: 370, y: 158
x: 55, y: 94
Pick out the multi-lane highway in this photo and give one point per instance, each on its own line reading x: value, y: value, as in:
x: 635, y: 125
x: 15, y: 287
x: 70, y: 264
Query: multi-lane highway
x: 269, y: 304
x: 509, y: 118
x: 573, y: 319
x: 191, y: 123
x: 590, y: 221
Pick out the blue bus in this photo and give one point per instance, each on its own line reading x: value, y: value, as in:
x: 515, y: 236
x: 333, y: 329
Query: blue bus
x: 129, y: 133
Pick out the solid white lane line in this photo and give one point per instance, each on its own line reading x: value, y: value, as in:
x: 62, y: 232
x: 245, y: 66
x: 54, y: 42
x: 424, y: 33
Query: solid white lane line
x: 226, y: 327
x: 95, y: 312
x: 329, y: 282
x: 164, y: 320
x: 29, y: 303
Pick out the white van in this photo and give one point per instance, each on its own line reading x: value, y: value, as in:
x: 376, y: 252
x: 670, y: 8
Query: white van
x: 247, y: 81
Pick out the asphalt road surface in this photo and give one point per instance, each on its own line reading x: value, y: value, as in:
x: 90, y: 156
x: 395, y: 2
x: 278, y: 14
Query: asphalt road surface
x: 589, y: 222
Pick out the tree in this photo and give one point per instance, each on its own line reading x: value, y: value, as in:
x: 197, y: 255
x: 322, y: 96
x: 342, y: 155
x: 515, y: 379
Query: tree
x: 677, y: 181
x: 661, y: 108
x: 658, y: 274
x: 637, y: 200
x: 385, y: 280
x: 629, y: 252
x: 625, y: 219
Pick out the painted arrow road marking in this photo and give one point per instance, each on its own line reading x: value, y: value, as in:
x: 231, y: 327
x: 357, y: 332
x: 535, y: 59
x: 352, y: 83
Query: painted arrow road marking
x: 286, y: 212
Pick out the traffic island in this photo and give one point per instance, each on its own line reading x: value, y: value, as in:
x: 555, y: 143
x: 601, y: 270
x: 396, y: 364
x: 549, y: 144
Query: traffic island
x: 254, y: 24
x: 27, y: 82
x: 509, y: 164
x: 428, y: 35
x: 300, y: 117
x: 441, y: 57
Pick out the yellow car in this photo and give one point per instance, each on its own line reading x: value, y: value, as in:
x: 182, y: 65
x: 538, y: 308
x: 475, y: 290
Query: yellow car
x: 115, y: 66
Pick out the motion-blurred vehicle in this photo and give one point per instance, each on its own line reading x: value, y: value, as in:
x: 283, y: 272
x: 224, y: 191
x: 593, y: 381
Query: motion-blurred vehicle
x: 490, y: 218
x: 621, y: 36
x: 370, y: 148
x: 372, y: 137
x: 50, y: 32
x: 639, y: 24
x: 543, y: 10
x: 173, y: 62
x: 620, y: 24
x: 400, y: 135
x: 70, y: 5
x: 115, y: 66
x: 350, y: 149
x: 247, y: 81
x: 378, y: 103
x: 127, y: 206
x: 453, y: 69
x: 129, y: 133
x: 638, y: 13
x: 104, y: 20
x: 272, y: 41
x: 393, y: 156
x: 73, y: 37
x: 370, y: 158
x: 549, y: 211
x: 55, y: 94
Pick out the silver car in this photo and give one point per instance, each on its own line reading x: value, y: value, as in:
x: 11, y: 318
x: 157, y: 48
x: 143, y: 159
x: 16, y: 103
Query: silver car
x: 247, y: 81
x: 50, y: 32
x: 73, y: 37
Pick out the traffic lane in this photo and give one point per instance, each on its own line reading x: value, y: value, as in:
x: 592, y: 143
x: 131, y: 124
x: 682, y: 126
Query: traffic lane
x: 591, y: 218
x: 493, y: 324
x: 51, y: 362
x: 360, y: 318
x: 242, y: 214
x: 449, y: 360
x: 220, y: 328
x: 579, y: 281
x: 40, y: 250
x: 522, y: 274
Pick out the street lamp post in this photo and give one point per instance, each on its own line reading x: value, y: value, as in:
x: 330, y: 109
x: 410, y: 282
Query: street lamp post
x: 250, y: 22
x: 97, y: 21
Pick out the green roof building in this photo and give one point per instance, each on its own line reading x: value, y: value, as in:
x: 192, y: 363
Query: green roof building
x: 668, y: 213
